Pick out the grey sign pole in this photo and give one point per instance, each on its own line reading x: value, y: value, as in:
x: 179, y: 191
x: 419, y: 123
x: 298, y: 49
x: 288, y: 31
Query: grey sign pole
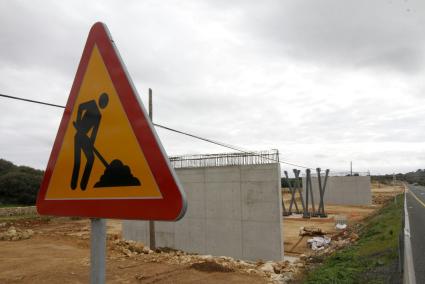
x: 152, y: 244
x: 97, y: 251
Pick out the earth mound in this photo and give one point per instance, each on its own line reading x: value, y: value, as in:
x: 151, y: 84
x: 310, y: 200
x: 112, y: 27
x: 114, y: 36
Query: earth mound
x: 117, y: 174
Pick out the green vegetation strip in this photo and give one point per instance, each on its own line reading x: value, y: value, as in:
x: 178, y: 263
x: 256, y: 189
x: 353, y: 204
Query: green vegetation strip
x: 372, y: 259
x: 10, y: 205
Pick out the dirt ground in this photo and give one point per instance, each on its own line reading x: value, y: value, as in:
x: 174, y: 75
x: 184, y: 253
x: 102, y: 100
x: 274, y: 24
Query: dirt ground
x: 295, y: 245
x: 383, y: 192
x: 58, y: 252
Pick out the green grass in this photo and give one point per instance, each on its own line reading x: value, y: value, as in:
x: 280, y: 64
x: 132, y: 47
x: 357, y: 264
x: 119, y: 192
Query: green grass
x: 373, y: 259
x: 12, y: 205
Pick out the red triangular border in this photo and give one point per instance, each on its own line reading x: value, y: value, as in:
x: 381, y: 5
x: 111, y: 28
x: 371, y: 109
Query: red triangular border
x: 173, y: 204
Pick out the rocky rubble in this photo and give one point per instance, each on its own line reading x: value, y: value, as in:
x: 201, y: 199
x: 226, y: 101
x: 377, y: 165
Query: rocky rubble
x: 274, y: 271
x: 15, y: 234
x: 338, y: 241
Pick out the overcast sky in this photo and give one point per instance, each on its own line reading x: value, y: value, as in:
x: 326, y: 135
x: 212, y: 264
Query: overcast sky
x: 323, y: 81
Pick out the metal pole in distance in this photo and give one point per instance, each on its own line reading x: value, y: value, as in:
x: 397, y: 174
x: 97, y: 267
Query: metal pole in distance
x: 152, y: 244
x: 299, y: 187
x: 322, y: 198
x: 97, y: 251
x: 313, y: 206
x: 319, y: 181
x: 291, y: 189
x: 306, y: 214
x: 285, y: 212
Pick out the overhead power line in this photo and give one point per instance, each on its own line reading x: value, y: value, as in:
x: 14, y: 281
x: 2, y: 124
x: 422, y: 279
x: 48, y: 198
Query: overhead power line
x: 172, y: 130
x: 226, y: 145
x: 31, y: 101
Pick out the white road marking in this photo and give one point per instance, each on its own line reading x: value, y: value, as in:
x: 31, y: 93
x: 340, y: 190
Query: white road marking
x: 409, y: 269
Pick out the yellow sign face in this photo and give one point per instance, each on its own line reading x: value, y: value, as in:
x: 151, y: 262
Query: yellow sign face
x: 100, y: 157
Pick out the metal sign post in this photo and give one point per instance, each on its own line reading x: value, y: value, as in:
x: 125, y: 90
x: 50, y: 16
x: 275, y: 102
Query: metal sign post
x: 152, y: 242
x: 97, y: 251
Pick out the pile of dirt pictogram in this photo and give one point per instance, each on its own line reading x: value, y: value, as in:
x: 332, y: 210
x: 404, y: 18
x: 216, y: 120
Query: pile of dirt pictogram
x: 117, y: 174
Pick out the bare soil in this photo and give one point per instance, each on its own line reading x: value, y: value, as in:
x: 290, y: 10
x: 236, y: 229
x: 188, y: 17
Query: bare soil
x: 381, y: 193
x: 58, y: 252
x: 296, y: 245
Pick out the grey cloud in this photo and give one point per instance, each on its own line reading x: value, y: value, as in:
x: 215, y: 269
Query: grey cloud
x: 36, y: 34
x: 383, y: 34
x: 247, y: 73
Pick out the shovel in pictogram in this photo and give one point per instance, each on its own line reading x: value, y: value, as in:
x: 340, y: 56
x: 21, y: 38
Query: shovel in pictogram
x: 116, y: 173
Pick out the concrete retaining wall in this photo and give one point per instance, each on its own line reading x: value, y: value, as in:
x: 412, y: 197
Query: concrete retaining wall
x: 16, y: 211
x: 344, y: 190
x: 233, y: 211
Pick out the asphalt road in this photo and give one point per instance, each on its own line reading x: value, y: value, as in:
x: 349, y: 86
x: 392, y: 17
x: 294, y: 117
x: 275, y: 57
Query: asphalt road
x: 416, y: 210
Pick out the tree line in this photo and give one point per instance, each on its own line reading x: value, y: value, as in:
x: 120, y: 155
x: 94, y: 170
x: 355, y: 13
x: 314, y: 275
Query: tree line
x: 413, y: 177
x: 18, y: 184
x: 416, y: 177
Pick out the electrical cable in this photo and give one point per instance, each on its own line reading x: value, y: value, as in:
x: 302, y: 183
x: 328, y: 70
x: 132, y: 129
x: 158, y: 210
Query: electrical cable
x: 172, y: 130
x: 226, y: 145
x: 31, y: 101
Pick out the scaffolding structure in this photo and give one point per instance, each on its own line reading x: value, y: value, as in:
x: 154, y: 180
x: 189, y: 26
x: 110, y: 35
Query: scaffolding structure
x: 337, y: 174
x: 225, y: 159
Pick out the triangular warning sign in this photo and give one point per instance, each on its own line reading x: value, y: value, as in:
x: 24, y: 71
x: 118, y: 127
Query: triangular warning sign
x: 107, y: 161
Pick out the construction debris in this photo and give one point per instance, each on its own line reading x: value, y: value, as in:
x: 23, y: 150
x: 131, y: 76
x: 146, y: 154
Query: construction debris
x: 311, y: 231
x: 319, y: 243
x: 341, y: 226
x: 15, y: 234
x: 275, y: 271
x: 267, y: 267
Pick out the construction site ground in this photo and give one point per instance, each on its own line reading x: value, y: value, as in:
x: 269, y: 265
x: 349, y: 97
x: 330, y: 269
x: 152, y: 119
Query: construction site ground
x: 296, y: 245
x: 57, y: 250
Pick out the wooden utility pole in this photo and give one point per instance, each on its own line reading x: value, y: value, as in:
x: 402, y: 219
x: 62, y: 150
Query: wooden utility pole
x: 152, y: 244
x: 150, y: 105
